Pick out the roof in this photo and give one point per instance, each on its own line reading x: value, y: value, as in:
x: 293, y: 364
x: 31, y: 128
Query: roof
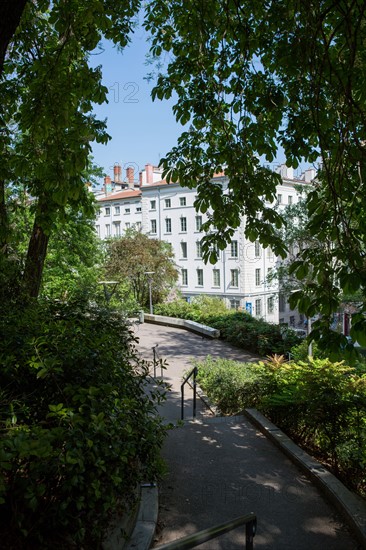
x: 126, y: 194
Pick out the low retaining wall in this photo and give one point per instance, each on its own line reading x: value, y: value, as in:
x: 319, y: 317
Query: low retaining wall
x: 198, y: 328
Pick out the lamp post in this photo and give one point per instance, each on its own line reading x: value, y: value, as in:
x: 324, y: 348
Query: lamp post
x: 150, y: 274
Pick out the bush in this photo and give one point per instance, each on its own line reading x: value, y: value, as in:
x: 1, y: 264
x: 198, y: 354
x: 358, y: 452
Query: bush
x: 79, y: 427
x: 239, y: 328
x: 319, y: 403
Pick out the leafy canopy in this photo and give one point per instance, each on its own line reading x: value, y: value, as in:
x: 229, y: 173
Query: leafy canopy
x: 135, y: 254
x: 250, y: 76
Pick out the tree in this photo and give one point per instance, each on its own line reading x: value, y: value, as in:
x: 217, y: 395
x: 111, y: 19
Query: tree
x: 74, y: 260
x: 250, y: 77
x: 48, y: 90
x: 10, y: 14
x: 131, y: 256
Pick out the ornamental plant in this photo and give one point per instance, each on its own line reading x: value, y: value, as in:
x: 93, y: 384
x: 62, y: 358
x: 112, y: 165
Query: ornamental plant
x: 79, y: 428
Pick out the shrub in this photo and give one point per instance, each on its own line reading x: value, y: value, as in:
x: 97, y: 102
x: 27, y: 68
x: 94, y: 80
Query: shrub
x: 239, y: 328
x: 319, y: 403
x: 79, y: 428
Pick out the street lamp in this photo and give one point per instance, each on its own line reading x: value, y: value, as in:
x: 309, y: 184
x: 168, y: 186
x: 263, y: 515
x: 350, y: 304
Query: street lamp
x: 109, y: 293
x: 150, y: 274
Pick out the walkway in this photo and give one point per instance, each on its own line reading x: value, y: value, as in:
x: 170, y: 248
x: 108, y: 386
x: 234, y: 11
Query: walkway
x: 220, y: 468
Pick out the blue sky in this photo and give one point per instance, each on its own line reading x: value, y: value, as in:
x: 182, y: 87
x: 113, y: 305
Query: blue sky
x: 142, y: 131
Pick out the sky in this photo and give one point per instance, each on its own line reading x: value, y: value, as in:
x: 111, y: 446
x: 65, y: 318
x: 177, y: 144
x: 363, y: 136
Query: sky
x: 142, y: 131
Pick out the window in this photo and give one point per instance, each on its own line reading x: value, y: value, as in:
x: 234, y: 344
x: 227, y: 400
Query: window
x: 138, y: 226
x: 97, y: 229
x: 127, y: 210
x: 168, y: 225
x: 257, y: 277
x: 234, y: 249
x: 153, y: 226
x: 183, y: 250
x: 117, y: 210
x: 258, y: 307
x: 292, y: 321
x: 107, y: 211
x: 282, y: 303
x: 198, y: 223
x: 234, y: 277
x: 200, y: 277
x: 117, y: 229
x: 270, y: 304
x: 138, y: 208
x: 108, y: 230
x: 182, y: 201
x: 152, y: 205
x: 216, y: 277
x: 234, y: 303
x: 270, y: 254
x: 183, y: 224
x: 257, y: 249
x: 127, y: 225
x: 289, y: 199
x: 168, y: 203
x: 279, y: 199
x: 198, y: 249
x: 184, y: 274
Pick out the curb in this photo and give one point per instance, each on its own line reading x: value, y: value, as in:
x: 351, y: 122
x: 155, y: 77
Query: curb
x: 147, y: 517
x: 351, y: 506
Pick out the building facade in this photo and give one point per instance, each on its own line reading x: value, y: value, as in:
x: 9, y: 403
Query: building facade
x: 166, y: 212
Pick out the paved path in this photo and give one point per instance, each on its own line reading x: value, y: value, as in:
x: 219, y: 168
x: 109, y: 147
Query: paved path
x: 221, y: 468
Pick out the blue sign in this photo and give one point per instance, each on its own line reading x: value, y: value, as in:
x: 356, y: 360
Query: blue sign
x: 248, y: 307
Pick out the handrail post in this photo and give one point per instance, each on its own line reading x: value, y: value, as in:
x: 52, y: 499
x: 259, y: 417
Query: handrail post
x: 250, y: 529
x: 194, y: 392
x: 194, y: 372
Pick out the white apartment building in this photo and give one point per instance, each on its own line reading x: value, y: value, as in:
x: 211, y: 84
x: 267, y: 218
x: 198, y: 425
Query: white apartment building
x: 166, y: 212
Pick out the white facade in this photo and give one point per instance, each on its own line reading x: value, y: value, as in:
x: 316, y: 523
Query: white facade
x: 166, y: 212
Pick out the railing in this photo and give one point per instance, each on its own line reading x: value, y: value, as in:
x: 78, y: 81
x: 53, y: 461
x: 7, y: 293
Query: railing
x: 194, y: 374
x: 191, y: 541
x: 156, y: 360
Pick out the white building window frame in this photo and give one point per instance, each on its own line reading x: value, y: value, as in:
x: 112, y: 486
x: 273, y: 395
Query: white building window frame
x: 199, y: 277
x: 258, y: 276
x: 234, y: 278
x: 168, y: 225
x: 216, y: 277
x: 234, y: 249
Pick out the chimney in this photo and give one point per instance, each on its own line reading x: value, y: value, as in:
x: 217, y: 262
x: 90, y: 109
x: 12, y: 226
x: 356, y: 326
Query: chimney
x: 117, y: 173
x: 140, y: 178
x: 309, y: 175
x: 149, y: 173
x: 130, y: 177
x: 107, y: 184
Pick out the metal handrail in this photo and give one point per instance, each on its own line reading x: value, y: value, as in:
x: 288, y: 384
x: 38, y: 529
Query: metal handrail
x: 194, y: 373
x: 156, y: 361
x: 191, y: 541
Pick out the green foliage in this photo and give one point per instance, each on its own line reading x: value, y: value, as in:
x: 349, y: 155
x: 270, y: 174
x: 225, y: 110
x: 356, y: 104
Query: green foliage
x: 251, y: 76
x: 74, y: 257
x: 79, y: 427
x: 239, y: 328
x: 48, y: 91
x: 131, y: 256
x: 319, y: 403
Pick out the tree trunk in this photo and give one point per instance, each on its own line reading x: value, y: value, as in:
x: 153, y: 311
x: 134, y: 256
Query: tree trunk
x: 10, y: 14
x: 36, y: 255
x: 3, y: 219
